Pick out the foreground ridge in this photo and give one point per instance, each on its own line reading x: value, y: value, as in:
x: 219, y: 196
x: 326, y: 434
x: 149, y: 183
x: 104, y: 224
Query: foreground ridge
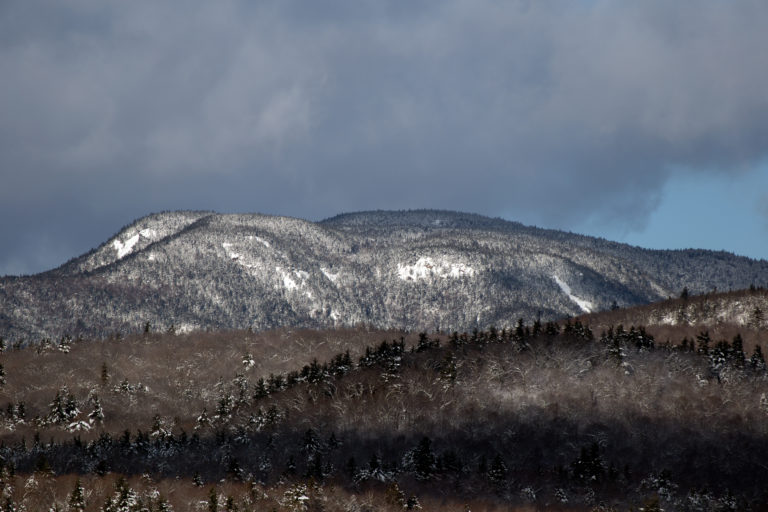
x: 542, y: 414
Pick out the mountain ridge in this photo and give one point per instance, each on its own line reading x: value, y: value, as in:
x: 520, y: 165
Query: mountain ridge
x: 413, y: 269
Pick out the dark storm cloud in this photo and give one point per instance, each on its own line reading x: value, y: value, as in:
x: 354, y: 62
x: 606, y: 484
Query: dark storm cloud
x: 553, y: 112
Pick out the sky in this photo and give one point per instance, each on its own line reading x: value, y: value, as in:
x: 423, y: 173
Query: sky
x: 640, y: 122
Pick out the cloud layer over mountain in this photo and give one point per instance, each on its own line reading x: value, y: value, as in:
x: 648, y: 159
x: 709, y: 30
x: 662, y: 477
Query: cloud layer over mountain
x: 572, y: 110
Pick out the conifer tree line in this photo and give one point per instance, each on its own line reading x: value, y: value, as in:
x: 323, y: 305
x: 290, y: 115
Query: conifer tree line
x: 284, y: 429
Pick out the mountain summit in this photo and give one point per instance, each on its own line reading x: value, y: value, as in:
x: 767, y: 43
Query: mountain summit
x: 419, y: 269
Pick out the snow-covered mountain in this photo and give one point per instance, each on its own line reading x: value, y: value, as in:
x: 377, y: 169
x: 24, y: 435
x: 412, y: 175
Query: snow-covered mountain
x: 413, y: 270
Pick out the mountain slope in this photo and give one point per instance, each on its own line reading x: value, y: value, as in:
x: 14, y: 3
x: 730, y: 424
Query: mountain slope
x: 412, y: 270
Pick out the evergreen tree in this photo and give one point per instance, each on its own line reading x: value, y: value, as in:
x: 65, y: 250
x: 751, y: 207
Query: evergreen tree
x: 704, y: 340
x: 234, y: 470
x: 70, y: 406
x: 448, y: 367
x: 351, y: 467
x: 57, y: 414
x: 412, y: 503
x: 9, y: 505
x: 425, y: 343
x: 450, y: 462
x: 536, y: 327
x: 311, y: 444
x: 213, y: 500
x: 163, y: 505
x: 125, y: 499
x: 290, y: 467
x: 261, y: 389
x: 737, y: 350
x: 482, y: 466
x: 520, y: 330
x: 757, y: 361
x: 498, y: 471
x: 589, y: 467
x: 229, y: 505
x: 43, y: 465
x: 424, y: 460
x: 77, y: 498
x: 97, y: 414
x: 395, y: 495
x: 104, y: 374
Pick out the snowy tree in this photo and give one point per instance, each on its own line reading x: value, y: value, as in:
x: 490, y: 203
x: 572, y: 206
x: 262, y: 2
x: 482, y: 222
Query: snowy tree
x: 704, y: 341
x: 757, y: 361
x: 64, y: 407
x: 497, y: 472
x: 77, y: 498
x: 448, y: 367
x: 97, y: 414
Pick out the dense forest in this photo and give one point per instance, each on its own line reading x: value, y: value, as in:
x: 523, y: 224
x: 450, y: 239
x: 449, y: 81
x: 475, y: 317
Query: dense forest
x: 534, y: 415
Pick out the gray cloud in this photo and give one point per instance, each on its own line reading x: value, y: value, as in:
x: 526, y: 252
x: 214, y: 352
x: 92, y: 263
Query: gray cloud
x: 551, y: 112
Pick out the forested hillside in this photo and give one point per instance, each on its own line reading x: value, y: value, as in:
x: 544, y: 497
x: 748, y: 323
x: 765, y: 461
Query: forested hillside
x: 416, y: 270
x: 543, y: 415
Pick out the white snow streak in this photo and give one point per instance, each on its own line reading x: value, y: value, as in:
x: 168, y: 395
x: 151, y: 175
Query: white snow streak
x: 585, y: 305
x: 125, y: 248
x: 331, y: 277
x: 232, y: 255
x: 288, y: 282
x: 658, y: 289
x: 262, y: 241
x: 290, y: 279
x: 426, y: 267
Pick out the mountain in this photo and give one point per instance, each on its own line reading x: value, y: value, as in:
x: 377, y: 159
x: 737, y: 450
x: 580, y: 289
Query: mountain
x: 410, y: 269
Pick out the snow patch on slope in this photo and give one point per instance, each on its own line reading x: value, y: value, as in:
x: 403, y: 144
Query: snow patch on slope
x: 585, y: 305
x: 290, y: 279
x: 288, y: 282
x: 426, y: 267
x: 331, y: 277
x: 261, y: 241
x: 125, y: 248
x: 658, y: 289
x: 669, y: 319
x: 231, y: 254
